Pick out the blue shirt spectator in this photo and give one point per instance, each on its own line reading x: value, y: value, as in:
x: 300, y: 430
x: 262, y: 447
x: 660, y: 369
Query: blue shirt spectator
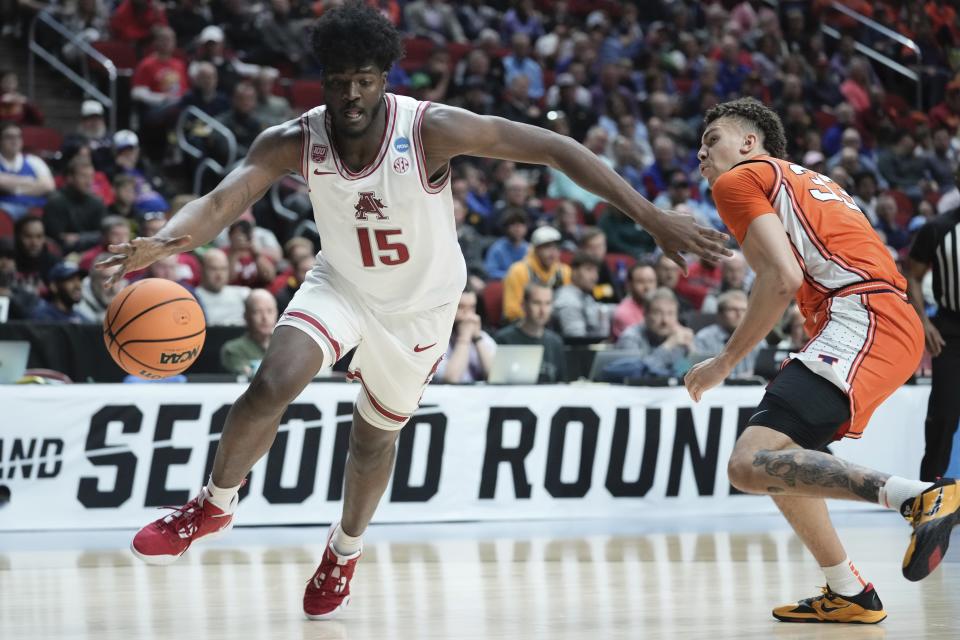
x: 520, y: 63
x: 66, y: 290
x: 511, y: 248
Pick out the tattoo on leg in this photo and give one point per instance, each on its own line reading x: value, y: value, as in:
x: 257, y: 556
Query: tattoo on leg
x: 819, y: 469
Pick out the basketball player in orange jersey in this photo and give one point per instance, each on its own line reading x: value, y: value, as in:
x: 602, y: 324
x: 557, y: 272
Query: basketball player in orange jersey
x: 802, y: 234
x: 387, y: 282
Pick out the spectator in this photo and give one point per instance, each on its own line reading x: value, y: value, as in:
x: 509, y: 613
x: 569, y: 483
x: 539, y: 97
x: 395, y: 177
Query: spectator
x: 168, y: 268
x: 475, y: 16
x: 94, y: 296
x: 293, y: 249
x: 865, y: 196
x: 113, y: 230
x: 566, y: 218
x: 664, y: 344
x: 282, y: 39
x: 472, y: 244
x: 204, y: 93
x: 160, y: 80
x: 857, y: 87
x: 561, y: 186
x: 25, y: 179
x: 511, y: 248
x: 134, y: 20
x: 189, y: 18
x: 735, y: 275
x: 242, y: 356
x: 264, y: 241
x: 516, y: 195
x: 271, y: 109
x: 609, y: 287
x: 893, y: 234
x: 20, y: 300
x: 532, y: 330
x: 852, y: 141
x: 126, y: 158
x: 702, y: 278
x: 668, y: 276
x: 248, y: 265
x: 89, y: 21
x: 832, y: 137
x: 470, y: 352
x: 947, y: 113
x: 73, y: 214
x: 574, y: 101
x: 33, y: 257
x: 709, y: 341
x: 624, y: 235
x: 516, y: 103
x: 628, y: 162
x: 240, y: 120
x: 433, y: 19
x: 301, y: 267
x: 523, y: 19
x: 665, y: 162
x: 222, y: 303
x: 677, y: 197
x: 432, y: 82
x: 941, y: 161
x: 519, y: 62
x: 65, y: 281
x: 151, y: 222
x: 14, y: 106
x: 91, y: 132
x: 124, y: 197
x: 542, y: 266
x: 211, y: 48
x: 578, y: 314
x: 641, y: 282
x: 794, y: 335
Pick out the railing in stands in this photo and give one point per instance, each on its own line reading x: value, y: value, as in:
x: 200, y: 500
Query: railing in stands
x: 873, y: 54
x: 36, y: 49
x: 206, y: 162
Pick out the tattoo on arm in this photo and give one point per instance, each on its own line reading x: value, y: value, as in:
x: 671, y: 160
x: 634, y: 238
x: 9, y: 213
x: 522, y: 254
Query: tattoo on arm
x: 819, y: 469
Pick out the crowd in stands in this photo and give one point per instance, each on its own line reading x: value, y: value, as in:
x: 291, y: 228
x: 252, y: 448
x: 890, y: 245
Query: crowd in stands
x: 549, y: 263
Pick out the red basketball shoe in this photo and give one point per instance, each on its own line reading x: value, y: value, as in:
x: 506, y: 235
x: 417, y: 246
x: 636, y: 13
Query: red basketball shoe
x: 329, y: 589
x: 166, y: 539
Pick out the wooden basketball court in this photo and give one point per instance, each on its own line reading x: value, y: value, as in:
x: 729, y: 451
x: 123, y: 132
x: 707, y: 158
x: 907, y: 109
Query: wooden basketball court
x: 653, y: 578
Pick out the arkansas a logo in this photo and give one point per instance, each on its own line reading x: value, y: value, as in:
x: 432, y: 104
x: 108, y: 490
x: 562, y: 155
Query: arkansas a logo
x: 369, y: 205
x: 318, y: 153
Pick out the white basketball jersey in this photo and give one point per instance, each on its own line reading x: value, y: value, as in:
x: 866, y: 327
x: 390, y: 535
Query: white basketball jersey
x: 387, y: 231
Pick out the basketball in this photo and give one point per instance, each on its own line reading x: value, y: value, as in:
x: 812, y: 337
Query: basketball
x: 154, y: 329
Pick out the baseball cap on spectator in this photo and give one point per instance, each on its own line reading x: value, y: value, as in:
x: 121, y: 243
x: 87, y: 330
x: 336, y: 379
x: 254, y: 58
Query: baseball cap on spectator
x: 566, y: 80
x: 544, y: 235
x: 596, y: 19
x: 212, y: 33
x: 125, y: 139
x: 812, y: 157
x: 153, y: 215
x: 64, y: 271
x: 91, y: 108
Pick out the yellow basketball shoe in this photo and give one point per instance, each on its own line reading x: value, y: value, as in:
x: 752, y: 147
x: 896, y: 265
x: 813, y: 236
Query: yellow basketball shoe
x: 863, y: 608
x: 933, y: 515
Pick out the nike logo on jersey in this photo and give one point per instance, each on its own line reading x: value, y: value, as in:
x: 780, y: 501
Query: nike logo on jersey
x: 417, y: 348
x: 317, y: 172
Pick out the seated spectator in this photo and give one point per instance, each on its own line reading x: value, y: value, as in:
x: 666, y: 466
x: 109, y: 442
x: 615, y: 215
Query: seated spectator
x: 301, y: 268
x: 94, y: 296
x: 865, y: 195
x: 167, y: 268
x: 532, y: 330
x: 282, y: 39
x: 89, y: 21
x: 655, y: 177
x: 703, y: 278
x: 577, y: 312
x: 113, y: 230
x: 470, y: 352
x: 134, y: 20
x: 432, y: 81
x: 126, y: 158
x: 159, y: 81
x: 566, y: 219
x: 942, y: 161
x: 265, y: 242
x: 542, y: 266
x: 204, y: 93
x: 668, y: 275
x: 511, y: 248
x: 293, y: 250
x: 677, y: 197
x: 14, y: 106
x: 25, y: 179
x: 641, y: 281
x: 709, y: 341
x: 66, y: 282
x: 240, y: 120
x: 735, y: 275
x: 663, y: 342
x: 20, y: 300
x: 624, y: 235
x: 947, y: 113
x: 212, y: 48
x: 472, y: 244
x: 271, y: 109
x: 893, y: 234
x: 861, y: 160
x: 516, y: 194
x: 33, y: 257
x: 242, y: 356
x: 795, y: 336
x: 249, y: 267
x: 222, y: 303
x: 520, y: 62
x: 902, y: 167
x: 72, y: 215
x: 91, y: 132
x: 516, y: 104
x: 124, y: 198
x: 609, y: 287
x: 433, y: 19
x: 562, y: 186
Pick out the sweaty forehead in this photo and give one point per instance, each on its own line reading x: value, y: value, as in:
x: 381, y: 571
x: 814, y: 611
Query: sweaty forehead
x: 350, y: 71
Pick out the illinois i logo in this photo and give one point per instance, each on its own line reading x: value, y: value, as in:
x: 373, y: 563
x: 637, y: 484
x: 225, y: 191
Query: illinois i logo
x: 318, y: 152
x: 369, y: 205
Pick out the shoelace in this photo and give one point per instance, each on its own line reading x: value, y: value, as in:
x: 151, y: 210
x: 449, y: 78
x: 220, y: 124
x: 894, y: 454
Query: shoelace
x: 188, y: 517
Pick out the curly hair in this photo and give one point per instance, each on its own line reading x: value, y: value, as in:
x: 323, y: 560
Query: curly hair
x: 353, y: 35
x: 754, y: 113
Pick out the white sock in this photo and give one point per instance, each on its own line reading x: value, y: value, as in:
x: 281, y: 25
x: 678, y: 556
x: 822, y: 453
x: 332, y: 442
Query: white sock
x: 223, y: 498
x: 897, y: 490
x: 844, y: 579
x: 343, y: 544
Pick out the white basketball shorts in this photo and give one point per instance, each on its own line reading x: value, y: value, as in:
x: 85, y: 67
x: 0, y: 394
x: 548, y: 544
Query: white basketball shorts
x: 396, y: 356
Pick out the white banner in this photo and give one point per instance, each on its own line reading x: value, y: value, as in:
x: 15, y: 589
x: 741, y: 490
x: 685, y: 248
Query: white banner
x: 98, y: 456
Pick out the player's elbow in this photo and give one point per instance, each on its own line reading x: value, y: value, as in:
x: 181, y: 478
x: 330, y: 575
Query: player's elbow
x: 789, y: 279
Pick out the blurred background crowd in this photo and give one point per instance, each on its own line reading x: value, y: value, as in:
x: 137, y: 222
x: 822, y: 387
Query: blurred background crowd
x: 549, y: 263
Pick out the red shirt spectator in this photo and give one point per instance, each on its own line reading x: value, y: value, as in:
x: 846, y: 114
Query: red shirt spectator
x: 162, y: 74
x: 134, y: 19
x: 947, y: 113
x: 702, y: 278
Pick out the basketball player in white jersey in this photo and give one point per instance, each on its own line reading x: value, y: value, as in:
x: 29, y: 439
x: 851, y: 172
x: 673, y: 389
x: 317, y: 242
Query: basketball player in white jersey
x: 387, y: 281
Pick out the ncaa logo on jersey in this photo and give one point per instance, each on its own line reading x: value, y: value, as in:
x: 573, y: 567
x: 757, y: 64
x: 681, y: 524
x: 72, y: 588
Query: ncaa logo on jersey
x: 369, y: 205
x: 318, y: 152
x: 402, y: 145
x: 401, y: 165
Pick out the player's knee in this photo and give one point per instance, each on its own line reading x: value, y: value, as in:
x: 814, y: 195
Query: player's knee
x: 740, y: 471
x: 270, y: 391
x: 372, y: 446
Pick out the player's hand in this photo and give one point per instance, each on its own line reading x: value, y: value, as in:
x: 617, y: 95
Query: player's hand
x: 932, y: 337
x: 704, y: 376
x: 138, y: 254
x: 676, y: 232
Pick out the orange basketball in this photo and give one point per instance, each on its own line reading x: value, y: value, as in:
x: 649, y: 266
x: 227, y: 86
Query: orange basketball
x: 154, y: 328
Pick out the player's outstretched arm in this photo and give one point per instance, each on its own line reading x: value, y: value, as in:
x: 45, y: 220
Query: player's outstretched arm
x: 449, y: 132
x: 275, y: 153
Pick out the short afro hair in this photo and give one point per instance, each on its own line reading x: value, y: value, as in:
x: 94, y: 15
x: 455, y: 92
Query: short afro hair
x: 754, y: 113
x: 353, y: 35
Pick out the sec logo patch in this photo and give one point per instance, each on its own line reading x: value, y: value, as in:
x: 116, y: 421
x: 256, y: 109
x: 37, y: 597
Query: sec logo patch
x: 401, y: 165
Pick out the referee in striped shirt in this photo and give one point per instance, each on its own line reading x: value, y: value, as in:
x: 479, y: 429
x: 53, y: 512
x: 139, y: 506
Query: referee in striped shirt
x: 937, y: 246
